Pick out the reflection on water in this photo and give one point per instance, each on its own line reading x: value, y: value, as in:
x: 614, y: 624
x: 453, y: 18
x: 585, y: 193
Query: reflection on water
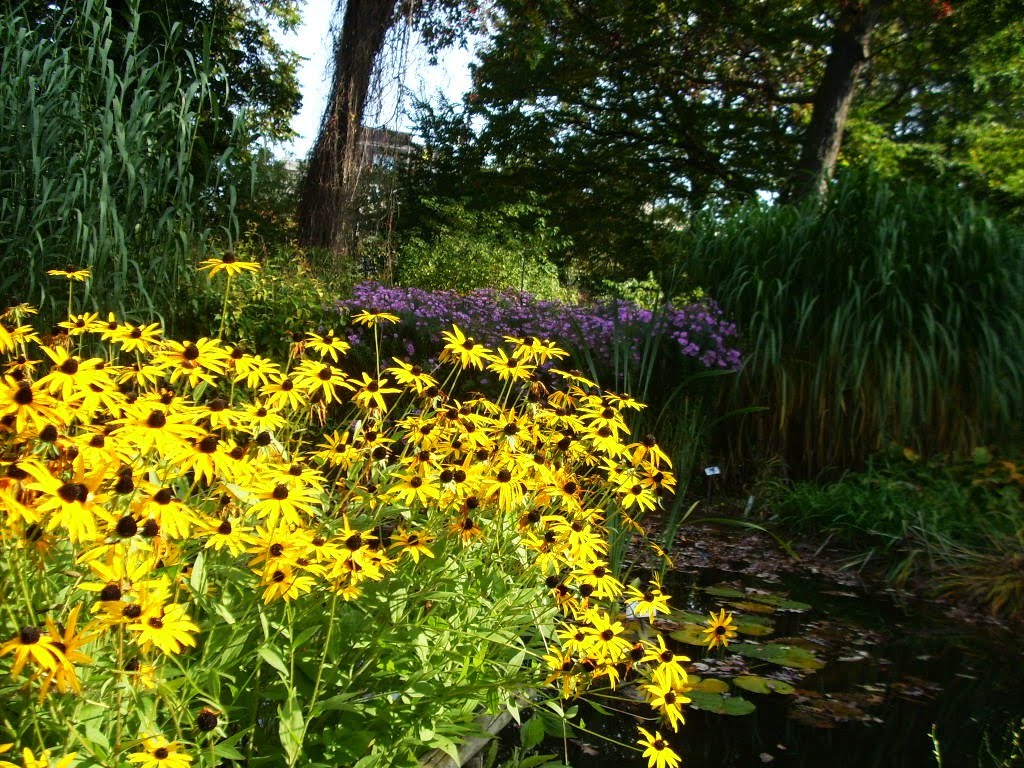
x: 893, y: 674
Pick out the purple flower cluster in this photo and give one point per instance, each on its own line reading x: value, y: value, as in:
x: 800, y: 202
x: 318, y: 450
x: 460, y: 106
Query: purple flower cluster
x: 696, y: 332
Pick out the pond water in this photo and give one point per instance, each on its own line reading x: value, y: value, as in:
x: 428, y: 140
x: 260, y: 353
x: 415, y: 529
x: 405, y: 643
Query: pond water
x: 895, y: 671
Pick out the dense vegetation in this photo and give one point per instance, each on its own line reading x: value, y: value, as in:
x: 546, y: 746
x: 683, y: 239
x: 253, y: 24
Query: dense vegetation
x: 624, y: 255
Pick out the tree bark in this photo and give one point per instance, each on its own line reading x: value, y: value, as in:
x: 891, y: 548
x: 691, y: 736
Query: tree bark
x: 847, y: 57
x: 327, y: 202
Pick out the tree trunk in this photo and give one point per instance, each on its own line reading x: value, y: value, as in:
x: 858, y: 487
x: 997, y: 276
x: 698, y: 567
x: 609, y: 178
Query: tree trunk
x: 847, y: 57
x: 327, y: 201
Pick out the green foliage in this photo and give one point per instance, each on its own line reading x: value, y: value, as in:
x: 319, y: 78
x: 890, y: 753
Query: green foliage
x: 964, y: 519
x: 893, y: 313
x: 98, y: 162
x: 459, y: 248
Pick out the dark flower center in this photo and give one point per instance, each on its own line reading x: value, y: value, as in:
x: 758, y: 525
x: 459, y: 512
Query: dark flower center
x: 504, y: 476
x: 161, y: 753
x: 224, y: 528
x: 29, y: 635
x: 110, y: 592
x: 607, y: 635
x: 70, y: 492
x: 97, y: 441
x: 354, y: 542
x: 150, y: 528
x: 69, y: 367
x: 276, y: 550
x: 156, y: 420
x: 208, y: 444
x: 164, y: 496
x: 132, y: 611
x: 228, y: 258
x: 190, y: 352
x: 278, y: 577
x: 156, y: 623
x: 126, y: 527
x: 280, y: 492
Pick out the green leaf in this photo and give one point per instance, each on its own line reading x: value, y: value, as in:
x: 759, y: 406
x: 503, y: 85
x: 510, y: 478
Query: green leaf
x: 197, y: 579
x: 226, y: 749
x: 754, y: 626
x: 691, y: 634
x: 720, y: 703
x: 783, y: 655
x: 709, y: 685
x: 756, y: 684
x: 289, y: 728
x: 532, y: 732
x: 725, y: 592
x: 272, y: 656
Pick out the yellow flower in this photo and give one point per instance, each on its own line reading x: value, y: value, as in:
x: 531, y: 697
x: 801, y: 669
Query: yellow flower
x: 327, y: 344
x: 170, y: 630
x: 669, y: 701
x: 137, y: 338
x: 29, y: 760
x: 228, y: 264
x: 412, y: 543
x: 371, y: 319
x: 30, y: 644
x: 658, y: 752
x: 78, y: 275
x: 370, y: 392
x: 409, y: 375
x: 158, y: 752
x: 720, y: 630
x: 463, y: 349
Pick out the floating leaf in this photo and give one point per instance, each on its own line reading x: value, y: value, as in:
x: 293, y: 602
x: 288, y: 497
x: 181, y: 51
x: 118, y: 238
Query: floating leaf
x: 709, y: 685
x: 751, y: 607
x: 781, y: 603
x: 725, y: 592
x: 688, y: 617
x: 756, y: 684
x: 754, y: 626
x: 720, y: 703
x: 784, y: 655
x: 691, y: 634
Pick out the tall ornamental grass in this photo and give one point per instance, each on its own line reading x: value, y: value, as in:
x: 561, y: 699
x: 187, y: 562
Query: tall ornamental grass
x: 892, y: 313
x: 101, y: 163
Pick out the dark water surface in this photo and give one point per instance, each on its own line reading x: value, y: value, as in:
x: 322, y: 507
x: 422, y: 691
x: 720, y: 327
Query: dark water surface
x: 894, y: 672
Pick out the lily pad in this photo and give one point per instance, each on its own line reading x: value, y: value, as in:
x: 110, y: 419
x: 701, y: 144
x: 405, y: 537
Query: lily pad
x: 720, y: 703
x: 755, y: 626
x: 784, y: 655
x: 725, y: 592
x: 751, y: 607
x: 708, y: 685
x: 688, y: 617
x: 691, y: 634
x: 780, y: 603
x: 756, y: 684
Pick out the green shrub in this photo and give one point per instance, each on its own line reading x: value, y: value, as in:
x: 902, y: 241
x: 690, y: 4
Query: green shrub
x: 461, y: 249
x: 891, y: 313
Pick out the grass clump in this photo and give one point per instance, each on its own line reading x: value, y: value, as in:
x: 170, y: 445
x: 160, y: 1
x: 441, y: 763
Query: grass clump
x: 892, y: 313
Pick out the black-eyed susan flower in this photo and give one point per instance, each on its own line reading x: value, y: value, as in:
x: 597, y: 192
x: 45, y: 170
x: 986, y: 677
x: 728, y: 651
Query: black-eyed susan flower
x: 290, y: 503
x: 158, y: 752
x: 70, y: 377
x: 510, y: 369
x: 646, y: 603
x: 720, y: 630
x: 31, y: 644
x: 668, y: 700
x: 412, y: 543
x: 76, y: 325
x: 373, y: 319
x: 29, y: 759
x: 369, y: 392
x: 229, y: 264
x: 193, y: 362
x: 68, y: 641
x: 169, y: 629
x: 284, y: 395
x: 412, y: 376
x: 65, y: 504
x: 321, y: 380
x: 463, y: 350
x: 327, y: 345
x: 285, y: 583
x: 657, y: 750
x: 138, y: 338
x: 605, y: 639
x: 71, y: 274
x: 598, y: 574
x: 23, y: 406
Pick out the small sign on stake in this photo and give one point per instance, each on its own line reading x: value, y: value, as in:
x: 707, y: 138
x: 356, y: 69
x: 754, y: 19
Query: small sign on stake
x: 711, y: 473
